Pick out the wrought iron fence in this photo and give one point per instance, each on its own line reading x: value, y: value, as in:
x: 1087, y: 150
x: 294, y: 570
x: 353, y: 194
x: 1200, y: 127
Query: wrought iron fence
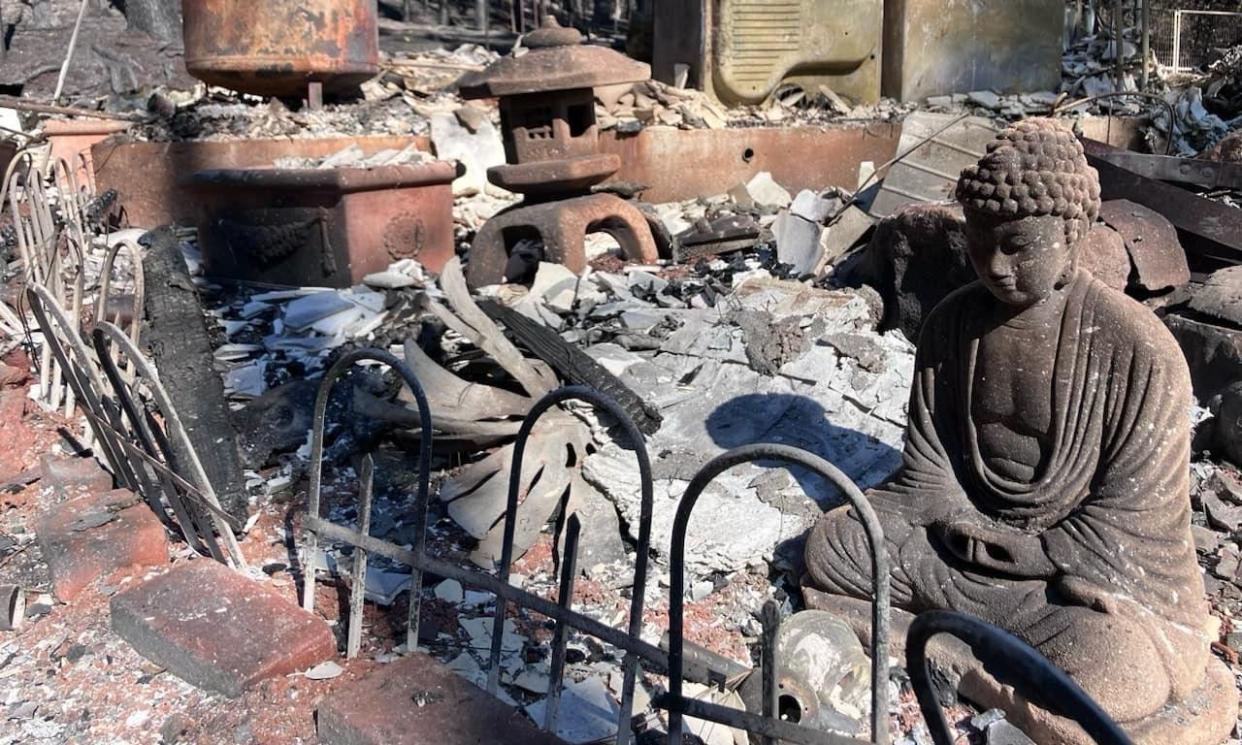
x: 1011, y: 661
x: 1030, y: 668
x: 136, y: 428
x: 53, y: 229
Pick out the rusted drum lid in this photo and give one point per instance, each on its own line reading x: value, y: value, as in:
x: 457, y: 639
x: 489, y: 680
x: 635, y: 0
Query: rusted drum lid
x: 277, y: 47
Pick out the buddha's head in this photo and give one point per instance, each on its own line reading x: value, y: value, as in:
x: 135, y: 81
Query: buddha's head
x: 1029, y: 204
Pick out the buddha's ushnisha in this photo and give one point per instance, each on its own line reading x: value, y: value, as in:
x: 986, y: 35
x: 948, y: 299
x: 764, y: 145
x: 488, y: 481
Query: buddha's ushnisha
x: 1044, y: 486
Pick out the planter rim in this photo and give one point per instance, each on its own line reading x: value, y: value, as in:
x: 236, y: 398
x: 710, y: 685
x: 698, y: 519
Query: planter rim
x: 326, y: 179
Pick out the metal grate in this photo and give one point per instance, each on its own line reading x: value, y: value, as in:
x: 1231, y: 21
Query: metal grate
x: 140, y: 436
x: 763, y: 34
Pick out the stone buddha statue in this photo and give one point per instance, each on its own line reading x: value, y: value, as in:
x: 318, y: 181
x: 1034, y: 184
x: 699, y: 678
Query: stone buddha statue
x: 1045, y: 476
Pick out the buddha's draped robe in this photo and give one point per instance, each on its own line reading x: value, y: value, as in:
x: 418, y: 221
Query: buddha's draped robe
x: 1110, y: 504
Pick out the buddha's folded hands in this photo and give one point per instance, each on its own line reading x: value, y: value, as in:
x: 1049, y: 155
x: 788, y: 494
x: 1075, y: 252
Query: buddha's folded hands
x: 996, y: 548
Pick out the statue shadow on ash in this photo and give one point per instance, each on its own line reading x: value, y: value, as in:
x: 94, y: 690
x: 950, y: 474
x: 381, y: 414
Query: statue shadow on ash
x: 799, y: 421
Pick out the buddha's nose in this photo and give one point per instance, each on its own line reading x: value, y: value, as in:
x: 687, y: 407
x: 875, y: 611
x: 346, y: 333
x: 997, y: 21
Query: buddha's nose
x: 997, y: 269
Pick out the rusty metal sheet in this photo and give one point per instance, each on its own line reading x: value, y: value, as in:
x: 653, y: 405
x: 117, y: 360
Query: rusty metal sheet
x: 678, y: 164
x: 758, y: 44
x: 679, y: 36
x: 145, y: 174
x: 1126, y: 132
x: 1151, y: 240
x: 930, y: 171
x: 323, y: 227
x: 743, y: 50
x: 1209, y: 230
x: 933, y: 47
x: 277, y: 47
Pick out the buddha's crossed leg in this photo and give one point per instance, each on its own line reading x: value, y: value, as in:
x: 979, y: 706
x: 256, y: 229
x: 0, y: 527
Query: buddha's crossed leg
x: 1115, y: 658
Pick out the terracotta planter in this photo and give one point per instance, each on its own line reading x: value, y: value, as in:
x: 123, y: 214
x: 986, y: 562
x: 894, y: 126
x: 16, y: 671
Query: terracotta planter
x: 323, y: 227
x: 150, y: 176
x: 73, y: 140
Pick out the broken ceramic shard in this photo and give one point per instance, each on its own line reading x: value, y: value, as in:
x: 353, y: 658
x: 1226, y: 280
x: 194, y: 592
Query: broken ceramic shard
x: 766, y: 193
x: 1042, y: 489
x: 588, y: 712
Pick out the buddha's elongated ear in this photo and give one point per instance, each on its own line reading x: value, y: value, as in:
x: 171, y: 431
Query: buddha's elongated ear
x: 1075, y: 241
x: 1067, y: 276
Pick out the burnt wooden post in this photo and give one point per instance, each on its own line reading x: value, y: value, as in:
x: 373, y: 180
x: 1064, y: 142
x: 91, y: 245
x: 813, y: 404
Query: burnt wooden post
x: 176, y: 336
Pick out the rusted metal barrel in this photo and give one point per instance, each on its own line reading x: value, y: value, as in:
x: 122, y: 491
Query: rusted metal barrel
x: 278, y: 47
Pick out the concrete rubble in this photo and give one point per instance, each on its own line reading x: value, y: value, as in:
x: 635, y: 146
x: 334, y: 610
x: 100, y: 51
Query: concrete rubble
x: 776, y: 312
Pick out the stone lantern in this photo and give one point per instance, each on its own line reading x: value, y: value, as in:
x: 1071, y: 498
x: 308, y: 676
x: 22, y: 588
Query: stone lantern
x: 547, y: 110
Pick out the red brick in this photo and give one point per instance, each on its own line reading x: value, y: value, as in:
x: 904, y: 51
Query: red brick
x: 78, y: 551
x: 12, y: 377
x: 19, y: 437
x: 217, y: 629
x: 381, y: 709
x: 70, y: 476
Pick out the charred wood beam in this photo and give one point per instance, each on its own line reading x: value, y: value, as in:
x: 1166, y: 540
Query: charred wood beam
x: 572, y: 363
x: 176, y: 335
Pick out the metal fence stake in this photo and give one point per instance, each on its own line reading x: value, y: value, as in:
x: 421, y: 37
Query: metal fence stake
x: 1014, y: 662
x: 569, y: 571
x: 770, y: 617
x: 310, y: 544
x: 358, y: 592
